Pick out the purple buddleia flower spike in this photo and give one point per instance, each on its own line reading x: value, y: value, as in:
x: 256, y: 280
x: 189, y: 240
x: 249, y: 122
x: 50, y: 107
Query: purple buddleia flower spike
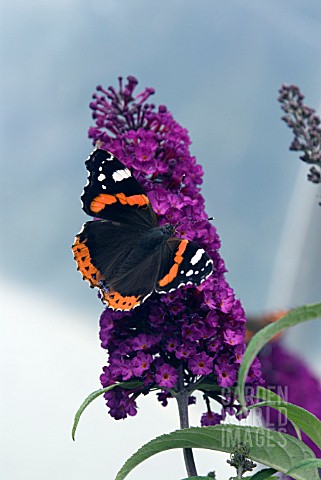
x: 192, y: 337
x: 306, y: 127
x: 287, y: 375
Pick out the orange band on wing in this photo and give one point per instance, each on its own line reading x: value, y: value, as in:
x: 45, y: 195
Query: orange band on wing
x: 181, y: 249
x: 99, y: 203
x: 82, y: 257
x: 139, y: 200
x: 118, y: 302
x: 169, y: 277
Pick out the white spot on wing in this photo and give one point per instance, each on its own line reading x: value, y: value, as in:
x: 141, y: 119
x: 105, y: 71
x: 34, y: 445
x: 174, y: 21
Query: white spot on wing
x: 120, y: 175
x: 183, y: 284
x: 189, y: 273
x: 198, y: 255
x: 101, y: 177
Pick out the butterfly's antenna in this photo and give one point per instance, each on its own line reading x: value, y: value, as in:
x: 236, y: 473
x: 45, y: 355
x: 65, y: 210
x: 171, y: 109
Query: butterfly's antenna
x: 180, y: 188
x: 181, y: 183
x: 192, y: 221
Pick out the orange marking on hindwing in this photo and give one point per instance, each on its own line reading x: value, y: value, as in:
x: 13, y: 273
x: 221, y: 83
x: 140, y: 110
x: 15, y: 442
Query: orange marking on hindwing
x: 169, y: 277
x: 116, y: 301
x: 83, y: 259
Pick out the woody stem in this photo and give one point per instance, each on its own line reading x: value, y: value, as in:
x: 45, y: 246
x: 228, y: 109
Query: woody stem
x: 182, y: 402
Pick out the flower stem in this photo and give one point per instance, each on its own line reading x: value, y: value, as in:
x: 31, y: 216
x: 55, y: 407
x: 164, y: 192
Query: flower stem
x: 182, y: 402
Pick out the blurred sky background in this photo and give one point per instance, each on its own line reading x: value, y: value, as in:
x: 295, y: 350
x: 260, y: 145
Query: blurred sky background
x: 218, y: 67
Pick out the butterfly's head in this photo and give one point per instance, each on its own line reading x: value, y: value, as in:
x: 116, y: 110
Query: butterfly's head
x: 168, y: 230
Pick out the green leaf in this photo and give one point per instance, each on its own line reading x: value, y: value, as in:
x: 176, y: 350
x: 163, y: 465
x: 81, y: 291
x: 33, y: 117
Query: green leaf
x: 95, y: 394
x: 205, y: 385
x: 264, y: 474
x: 264, y: 478
x: 294, y: 317
x: 268, y: 395
x: 268, y: 478
x: 273, y: 449
x: 198, y: 478
x: 304, y: 420
x: 282, y: 409
x: 311, y: 462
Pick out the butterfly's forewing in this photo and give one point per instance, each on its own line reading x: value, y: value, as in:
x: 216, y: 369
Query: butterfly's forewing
x: 112, y: 193
x: 183, y: 263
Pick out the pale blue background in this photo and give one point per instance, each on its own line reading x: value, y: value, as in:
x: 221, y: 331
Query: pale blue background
x: 218, y: 67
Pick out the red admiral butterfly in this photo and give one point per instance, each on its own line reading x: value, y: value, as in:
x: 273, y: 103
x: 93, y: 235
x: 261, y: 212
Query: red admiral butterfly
x: 125, y: 253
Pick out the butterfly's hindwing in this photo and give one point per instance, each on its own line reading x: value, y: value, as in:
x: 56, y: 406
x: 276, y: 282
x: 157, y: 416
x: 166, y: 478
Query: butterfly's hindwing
x: 112, y: 257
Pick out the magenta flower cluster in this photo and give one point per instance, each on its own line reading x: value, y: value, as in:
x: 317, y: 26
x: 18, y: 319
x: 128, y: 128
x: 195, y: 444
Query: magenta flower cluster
x: 286, y: 374
x: 196, y: 331
x: 306, y: 127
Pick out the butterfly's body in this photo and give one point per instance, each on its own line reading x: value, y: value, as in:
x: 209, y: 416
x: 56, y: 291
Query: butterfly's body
x: 156, y: 237
x: 125, y: 253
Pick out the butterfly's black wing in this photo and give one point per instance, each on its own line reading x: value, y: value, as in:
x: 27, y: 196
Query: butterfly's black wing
x: 123, y: 253
x: 183, y: 263
x: 112, y: 193
x: 113, y: 259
